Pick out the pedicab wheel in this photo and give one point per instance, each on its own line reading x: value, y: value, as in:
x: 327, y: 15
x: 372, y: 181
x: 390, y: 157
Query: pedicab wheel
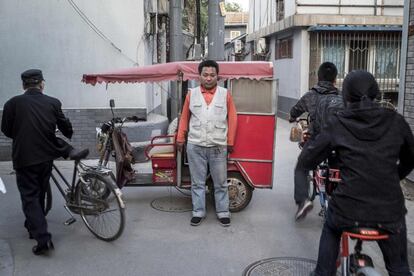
x: 367, y: 271
x: 102, y: 212
x: 48, y: 200
x: 240, y: 193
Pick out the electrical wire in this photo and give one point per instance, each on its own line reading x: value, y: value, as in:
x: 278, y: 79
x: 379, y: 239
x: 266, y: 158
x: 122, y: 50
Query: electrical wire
x: 97, y: 31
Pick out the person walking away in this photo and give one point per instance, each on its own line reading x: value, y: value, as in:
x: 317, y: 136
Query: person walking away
x: 30, y: 120
x: 375, y: 150
x: 209, y: 117
x: 309, y: 102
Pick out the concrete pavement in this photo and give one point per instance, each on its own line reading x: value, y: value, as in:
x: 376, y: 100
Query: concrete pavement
x: 161, y: 243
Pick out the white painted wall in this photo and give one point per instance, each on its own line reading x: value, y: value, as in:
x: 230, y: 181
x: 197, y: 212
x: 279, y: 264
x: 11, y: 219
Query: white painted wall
x: 52, y: 36
x: 263, y: 12
x: 290, y: 72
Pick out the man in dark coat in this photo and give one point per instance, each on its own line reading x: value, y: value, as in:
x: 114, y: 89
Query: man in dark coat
x: 309, y: 102
x: 375, y: 150
x: 30, y: 120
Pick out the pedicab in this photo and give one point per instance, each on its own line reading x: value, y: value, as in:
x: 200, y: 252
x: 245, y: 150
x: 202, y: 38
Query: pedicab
x: 250, y: 165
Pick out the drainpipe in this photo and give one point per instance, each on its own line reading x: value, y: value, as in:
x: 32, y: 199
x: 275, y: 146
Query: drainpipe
x: 176, y: 48
x: 403, y: 63
x: 215, y: 30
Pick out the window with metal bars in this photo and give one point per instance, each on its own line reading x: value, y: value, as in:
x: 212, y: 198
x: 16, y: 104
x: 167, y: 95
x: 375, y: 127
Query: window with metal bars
x: 376, y: 52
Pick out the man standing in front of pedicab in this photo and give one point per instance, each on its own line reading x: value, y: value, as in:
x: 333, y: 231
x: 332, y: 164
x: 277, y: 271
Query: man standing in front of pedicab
x: 210, y: 120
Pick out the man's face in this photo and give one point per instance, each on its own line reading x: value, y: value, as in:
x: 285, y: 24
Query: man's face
x: 208, y: 77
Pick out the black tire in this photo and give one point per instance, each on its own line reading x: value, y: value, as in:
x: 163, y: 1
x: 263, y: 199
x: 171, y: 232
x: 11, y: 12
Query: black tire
x: 48, y: 200
x: 367, y: 271
x: 240, y: 193
x: 99, y: 198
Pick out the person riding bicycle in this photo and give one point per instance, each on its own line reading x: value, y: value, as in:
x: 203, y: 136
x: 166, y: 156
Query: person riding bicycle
x: 375, y: 150
x: 309, y: 102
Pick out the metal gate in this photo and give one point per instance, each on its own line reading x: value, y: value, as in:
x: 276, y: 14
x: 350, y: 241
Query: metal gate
x: 375, y: 51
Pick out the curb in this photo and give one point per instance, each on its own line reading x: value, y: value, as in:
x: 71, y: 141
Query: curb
x: 6, y: 259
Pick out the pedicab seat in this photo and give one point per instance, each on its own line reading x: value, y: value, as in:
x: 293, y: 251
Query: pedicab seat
x: 163, y: 159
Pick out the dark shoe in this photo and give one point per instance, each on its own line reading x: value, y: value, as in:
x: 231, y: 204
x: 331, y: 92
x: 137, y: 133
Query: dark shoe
x: 303, y: 209
x: 224, y: 221
x: 78, y: 154
x: 195, y: 221
x: 43, y: 249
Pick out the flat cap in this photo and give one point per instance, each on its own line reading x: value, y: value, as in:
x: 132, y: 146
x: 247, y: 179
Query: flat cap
x: 32, y: 76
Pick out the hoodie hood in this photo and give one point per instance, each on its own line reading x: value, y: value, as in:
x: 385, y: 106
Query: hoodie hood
x: 325, y: 87
x: 359, y: 86
x: 366, y: 120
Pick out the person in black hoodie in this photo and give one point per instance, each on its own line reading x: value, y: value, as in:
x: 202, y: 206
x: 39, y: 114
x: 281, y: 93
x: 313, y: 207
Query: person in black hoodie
x: 309, y: 102
x: 30, y: 120
x: 375, y: 150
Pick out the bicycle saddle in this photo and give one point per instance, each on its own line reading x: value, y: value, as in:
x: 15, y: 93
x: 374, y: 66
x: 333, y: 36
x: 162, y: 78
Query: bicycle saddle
x: 78, y: 154
x: 367, y: 233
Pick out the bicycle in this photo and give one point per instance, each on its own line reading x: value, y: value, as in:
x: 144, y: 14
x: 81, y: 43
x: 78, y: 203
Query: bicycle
x: 93, y: 195
x: 322, y: 181
x: 357, y: 263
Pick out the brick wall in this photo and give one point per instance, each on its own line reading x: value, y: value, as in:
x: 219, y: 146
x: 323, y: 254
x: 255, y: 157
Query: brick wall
x: 408, y: 107
x: 84, y: 122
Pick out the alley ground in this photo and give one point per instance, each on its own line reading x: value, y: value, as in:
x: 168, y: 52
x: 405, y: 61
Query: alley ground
x: 164, y: 243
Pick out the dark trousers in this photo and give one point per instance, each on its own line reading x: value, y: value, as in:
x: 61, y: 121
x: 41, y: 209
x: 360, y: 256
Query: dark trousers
x: 32, y: 182
x: 301, y: 192
x: 394, y: 249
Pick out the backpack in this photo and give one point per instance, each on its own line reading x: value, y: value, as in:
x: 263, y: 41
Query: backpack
x: 326, y: 106
x: 123, y: 158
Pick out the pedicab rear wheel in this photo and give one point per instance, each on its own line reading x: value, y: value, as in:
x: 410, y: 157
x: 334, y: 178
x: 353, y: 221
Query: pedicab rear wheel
x: 240, y: 193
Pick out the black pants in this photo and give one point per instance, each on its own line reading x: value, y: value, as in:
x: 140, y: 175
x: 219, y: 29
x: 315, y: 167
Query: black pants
x: 32, y: 182
x: 301, y: 192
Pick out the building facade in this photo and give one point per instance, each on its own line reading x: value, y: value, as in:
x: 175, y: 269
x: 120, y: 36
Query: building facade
x: 299, y: 35
x: 66, y: 39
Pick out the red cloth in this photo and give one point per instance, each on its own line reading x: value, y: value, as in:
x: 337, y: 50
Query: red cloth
x: 187, y: 69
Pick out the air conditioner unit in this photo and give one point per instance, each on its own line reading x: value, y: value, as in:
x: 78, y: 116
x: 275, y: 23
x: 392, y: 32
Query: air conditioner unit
x: 261, y: 46
x: 238, y: 46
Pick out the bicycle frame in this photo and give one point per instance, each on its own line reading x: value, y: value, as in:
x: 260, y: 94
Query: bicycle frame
x: 78, y: 170
x: 360, y: 234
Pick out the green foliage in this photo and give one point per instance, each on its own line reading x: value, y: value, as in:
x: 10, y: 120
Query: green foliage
x: 233, y: 7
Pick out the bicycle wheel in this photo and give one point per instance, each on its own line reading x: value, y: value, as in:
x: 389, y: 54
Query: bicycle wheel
x: 367, y: 271
x: 101, y: 207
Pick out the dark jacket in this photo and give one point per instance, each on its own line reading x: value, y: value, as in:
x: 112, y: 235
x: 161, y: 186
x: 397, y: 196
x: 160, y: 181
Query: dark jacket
x: 30, y: 120
x: 310, y: 100
x: 375, y: 149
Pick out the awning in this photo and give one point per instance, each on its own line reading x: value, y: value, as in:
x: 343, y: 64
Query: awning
x: 189, y: 70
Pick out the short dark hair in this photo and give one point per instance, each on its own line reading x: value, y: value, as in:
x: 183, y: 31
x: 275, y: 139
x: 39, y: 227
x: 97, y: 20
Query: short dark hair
x: 327, y: 72
x: 208, y: 63
x: 27, y: 85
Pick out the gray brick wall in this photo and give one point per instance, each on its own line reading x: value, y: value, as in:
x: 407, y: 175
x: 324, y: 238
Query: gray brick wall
x: 84, y: 122
x: 409, y: 75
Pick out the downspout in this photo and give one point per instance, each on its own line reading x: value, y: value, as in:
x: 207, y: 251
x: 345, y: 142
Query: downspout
x: 403, y: 64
